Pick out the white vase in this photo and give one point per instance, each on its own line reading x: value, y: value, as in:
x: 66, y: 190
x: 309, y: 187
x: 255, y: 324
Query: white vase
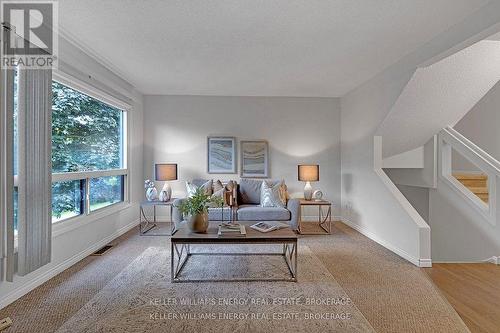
x: 151, y: 194
x: 308, y: 191
x: 166, y: 193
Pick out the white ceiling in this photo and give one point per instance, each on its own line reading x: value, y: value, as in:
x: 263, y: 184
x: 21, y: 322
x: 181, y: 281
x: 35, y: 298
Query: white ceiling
x: 255, y: 47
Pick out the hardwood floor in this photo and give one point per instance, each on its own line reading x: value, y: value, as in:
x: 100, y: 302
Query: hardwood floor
x: 473, y: 290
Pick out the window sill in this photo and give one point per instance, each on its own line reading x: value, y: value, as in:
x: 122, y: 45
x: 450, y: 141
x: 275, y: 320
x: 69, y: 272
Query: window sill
x: 62, y: 227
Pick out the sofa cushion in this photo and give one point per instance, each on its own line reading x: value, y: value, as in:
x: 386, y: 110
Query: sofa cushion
x: 257, y: 213
x: 249, y: 191
x: 215, y: 214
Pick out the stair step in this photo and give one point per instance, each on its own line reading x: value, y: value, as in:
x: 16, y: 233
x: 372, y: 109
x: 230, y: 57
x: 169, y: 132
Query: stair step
x: 478, y: 190
x: 470, y: 176
x: 484, y: 197
x: 474, y: 183
x: 471, y: 179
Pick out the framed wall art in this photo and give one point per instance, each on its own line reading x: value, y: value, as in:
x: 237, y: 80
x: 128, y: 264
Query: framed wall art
x: 221, y: 154
x: 254, y: 159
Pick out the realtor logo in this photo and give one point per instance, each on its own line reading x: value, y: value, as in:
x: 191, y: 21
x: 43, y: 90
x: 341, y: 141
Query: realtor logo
x: 29, y: 33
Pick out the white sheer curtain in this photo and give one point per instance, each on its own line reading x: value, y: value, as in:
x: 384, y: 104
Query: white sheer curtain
x: 35, y: 169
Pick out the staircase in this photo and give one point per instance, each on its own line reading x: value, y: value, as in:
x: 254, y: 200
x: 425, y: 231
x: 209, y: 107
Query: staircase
x: 476, y: 183
x: 479, y: 188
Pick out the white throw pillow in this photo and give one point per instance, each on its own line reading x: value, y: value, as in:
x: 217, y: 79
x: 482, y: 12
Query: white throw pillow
x: 273, y: 196
x: 191, y: 188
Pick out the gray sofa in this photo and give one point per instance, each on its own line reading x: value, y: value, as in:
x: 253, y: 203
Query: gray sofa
x: 247, y: 206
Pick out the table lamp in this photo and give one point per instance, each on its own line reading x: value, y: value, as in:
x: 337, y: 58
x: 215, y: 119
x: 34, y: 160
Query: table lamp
x: 165, y: 173
x: 308, y: 173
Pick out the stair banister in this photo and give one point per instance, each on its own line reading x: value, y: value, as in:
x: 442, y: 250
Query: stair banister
x: 450, y: 139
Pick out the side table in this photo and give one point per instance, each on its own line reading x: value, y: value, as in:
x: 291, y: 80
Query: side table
x: 324, y: 220
x: 146, y: 225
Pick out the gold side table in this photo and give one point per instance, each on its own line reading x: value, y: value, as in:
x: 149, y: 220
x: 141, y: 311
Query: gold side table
x: 324, y: 218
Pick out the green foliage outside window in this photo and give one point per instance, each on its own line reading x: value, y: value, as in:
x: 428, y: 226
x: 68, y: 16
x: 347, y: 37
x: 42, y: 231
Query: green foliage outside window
x: 86, y: 136
x: 86, y: 133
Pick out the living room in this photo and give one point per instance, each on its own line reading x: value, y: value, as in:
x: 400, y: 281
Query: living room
x: 141, y: 119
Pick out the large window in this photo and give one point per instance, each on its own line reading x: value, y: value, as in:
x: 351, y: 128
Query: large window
x: 89, y: 169
x: 88, y: 160
x: 86, y: 133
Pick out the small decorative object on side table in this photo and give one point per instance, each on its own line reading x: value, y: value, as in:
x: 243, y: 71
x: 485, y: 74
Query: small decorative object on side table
x: 150, y: 189
x: 146, y: 225
x: 324, y: 220
x: 318, y: 195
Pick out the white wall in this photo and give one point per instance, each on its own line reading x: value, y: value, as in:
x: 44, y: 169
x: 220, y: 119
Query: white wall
x: 367, y: 204
x: 298, y: 130
x: 459, y: 232
x: 366, y: 200
x: 420, y: 177
x: 481, y: 126
x: 408, y: 160
x: 418, y: 197
x: 71, y: 246
x: 439, y: 95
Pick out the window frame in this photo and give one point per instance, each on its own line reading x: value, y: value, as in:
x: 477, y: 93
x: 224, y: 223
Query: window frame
x: 88, y: 215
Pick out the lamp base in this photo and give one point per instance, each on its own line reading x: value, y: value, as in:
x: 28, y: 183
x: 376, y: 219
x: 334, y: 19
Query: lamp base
x: 308, y: 192
x: 166, y: 193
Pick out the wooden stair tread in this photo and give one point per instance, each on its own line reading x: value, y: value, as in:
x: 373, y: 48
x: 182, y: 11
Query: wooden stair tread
x: 485, y: 200
x: 478, y: 190
x: 476, y: 183
x: 470, y: 176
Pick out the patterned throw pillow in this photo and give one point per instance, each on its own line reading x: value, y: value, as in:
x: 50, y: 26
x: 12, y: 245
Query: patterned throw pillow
x: 219, y: 190
x: 273, y: 195
x: 191, y: 188
x: 230, y: 186
x: 217, y: 186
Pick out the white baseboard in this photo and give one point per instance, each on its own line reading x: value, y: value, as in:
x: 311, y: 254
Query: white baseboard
x: 492, y: 260
x: 405, y: 255
x: 425, y: 263
x: 37, y: 281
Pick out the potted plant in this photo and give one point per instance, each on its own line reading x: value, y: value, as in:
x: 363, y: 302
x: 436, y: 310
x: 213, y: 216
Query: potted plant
x: 195, y: 209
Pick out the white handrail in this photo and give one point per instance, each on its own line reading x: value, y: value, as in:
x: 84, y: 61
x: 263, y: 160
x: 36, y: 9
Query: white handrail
x: 450, y: 139
x: 481, y: 154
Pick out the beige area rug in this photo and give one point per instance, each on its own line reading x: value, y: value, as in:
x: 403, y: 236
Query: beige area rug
x: 142, y: 299
x: 393, y: 294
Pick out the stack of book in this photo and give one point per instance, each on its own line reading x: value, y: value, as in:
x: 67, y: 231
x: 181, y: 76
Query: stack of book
x: 232, y: 230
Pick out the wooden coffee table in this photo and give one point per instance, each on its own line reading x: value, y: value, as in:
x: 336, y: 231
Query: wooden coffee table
x: 183, y: 239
